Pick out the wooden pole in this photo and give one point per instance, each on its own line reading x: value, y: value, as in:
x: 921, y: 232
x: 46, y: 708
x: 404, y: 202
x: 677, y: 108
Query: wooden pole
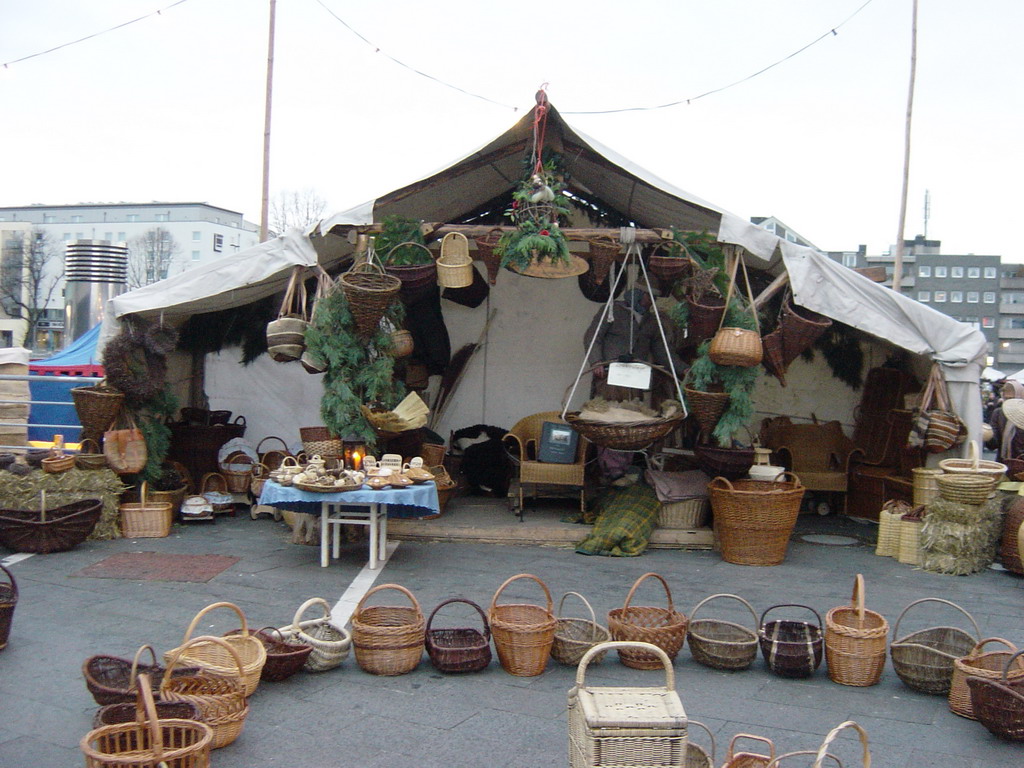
x: 897, y: 268
x: 265, y: 199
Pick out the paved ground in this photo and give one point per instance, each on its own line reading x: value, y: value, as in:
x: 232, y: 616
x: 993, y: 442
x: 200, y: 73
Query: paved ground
x: 348, y: 718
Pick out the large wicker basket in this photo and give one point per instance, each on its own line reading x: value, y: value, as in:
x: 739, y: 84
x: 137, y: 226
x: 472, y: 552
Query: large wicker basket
x: 459, y: 649
x: 999, y: 704
x: 212, y: 656
x: 369, y: 291
x: 8, y: 601
x: 924, y: 659
x: 330, y: 643
x: 146, y: 518
x: 523, y: 633
x: 388, y: 639
x: 663, y: 627
x: 974, y: 465
x: 149, y: 740
x: 753, y: 519
x: 855, y: 641
x: 49, y: 530
x: 791, y: 648
x: 963, y: 488
x: 97, y: 407
x: 624, y: 436
x: 989, y: 665
x: 707, y: 407
x: 574, y: 637
x: 721, y: 644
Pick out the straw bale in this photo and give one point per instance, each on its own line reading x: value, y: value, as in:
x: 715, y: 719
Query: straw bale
x: 63, y: 488
x: 960, y: 539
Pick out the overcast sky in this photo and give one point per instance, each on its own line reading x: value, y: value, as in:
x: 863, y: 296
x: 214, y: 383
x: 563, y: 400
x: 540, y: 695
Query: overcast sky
x: 171, y: 108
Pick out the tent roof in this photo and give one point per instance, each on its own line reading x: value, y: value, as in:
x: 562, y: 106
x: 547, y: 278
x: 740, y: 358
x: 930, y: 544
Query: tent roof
x: 82, y: 351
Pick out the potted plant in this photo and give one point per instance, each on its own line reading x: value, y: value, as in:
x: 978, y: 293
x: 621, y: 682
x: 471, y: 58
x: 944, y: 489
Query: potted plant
x: 700, y: 293
x: 169, y: 485
x: 404, y: 254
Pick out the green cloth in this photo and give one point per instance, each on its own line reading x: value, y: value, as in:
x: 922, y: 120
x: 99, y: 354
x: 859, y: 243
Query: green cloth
x: 625, y: 519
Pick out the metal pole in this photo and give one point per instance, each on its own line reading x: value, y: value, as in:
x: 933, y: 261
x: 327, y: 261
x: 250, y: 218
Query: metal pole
x: 265, y: 200
x: 897, y: 268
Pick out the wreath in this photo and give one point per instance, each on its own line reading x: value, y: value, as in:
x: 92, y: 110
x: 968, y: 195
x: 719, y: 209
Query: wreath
x: 133, y: 367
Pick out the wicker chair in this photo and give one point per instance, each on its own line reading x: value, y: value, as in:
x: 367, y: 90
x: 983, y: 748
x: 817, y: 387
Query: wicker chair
x: 523, y: 441
x: 820, y: 454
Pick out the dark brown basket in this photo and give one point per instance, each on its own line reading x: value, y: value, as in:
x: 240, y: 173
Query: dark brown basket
x: 284, y: 658
x: 8, y: 600
x: 721, y: 644
x: 114, y: 714
x: 54, y: 530
x: 730, y: 463
x: 97, y: 407
x: 703, y: 321
x: 416, y: 279
x: 624, y: 436
x: 603, y: 252
x: 460, y: 649
x: 707, y: 407
x: 1009, y: 548
x: 791, y: 648
x: 485, y: 250
x: 999, y: 704
x: 923, y: 660
x: 369, y: 291
x: 111, y: 679
x: 90, y: 455
x: 801, y: 327
x: 663, y: 627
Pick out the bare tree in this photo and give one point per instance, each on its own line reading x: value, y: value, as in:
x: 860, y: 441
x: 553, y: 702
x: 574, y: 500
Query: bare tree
x: 299, y: 209
x: 28, y: 279
x: 151, y: 256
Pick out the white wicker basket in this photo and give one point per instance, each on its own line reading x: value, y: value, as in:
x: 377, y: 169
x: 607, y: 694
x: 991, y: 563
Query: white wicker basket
x: 689, y: 513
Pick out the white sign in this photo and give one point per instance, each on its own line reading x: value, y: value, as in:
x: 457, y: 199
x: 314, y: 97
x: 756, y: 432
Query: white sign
x: 635, y: 375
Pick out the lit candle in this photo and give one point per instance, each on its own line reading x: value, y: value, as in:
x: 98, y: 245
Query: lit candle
x: 357, y: 460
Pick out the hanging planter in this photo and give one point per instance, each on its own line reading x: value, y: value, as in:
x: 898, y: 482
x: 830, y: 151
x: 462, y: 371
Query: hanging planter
x: 416, y: 278
x: 551, y: 268
x: 491, y: 258
x: 369, y: 291
x: 603, y: 253
x: 666, y: 265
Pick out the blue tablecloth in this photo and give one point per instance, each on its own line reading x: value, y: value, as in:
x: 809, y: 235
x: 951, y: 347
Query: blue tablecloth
x: 414, y: 501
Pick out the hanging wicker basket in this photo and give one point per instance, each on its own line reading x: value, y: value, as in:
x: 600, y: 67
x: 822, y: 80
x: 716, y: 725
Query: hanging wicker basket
x: 603, y: 253
x: 97, y: 407
x: 461, y: 649
x: 707, y: 407
x: 416, y: 279
x: 523, y: 633
x: 388, y: 639
x: 492, y: 261
x: 791, y: 647
x: 703, y: 319
x: 624, y: 435
x: 454, y: 265
x: 574, y: 637
x: 923, y: 659
x: 663, y: 627
x: 369, y: 291
x: 800, y: 328
x: 721, y: 644
x: 855, y: 640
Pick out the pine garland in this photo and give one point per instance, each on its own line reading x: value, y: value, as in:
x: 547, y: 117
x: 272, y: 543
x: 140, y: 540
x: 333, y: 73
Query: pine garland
x: 707, y: 376
x: 358, y: 372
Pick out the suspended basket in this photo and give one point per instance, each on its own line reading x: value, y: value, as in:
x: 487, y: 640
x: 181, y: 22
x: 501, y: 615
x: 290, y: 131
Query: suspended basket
x: 8, y: 601
x: 523, y: 633
x: 737, y: 346
x: 402, y: 344
x: 330, y: 643
x: 485, y: 249
x: 369, y: 291
x: 388, y: 639
x: 999, y: 704
x: 663, y: 627
x: 988, y: 665
x: 574, y: 637
x: 624, y: 435
x: 791, y: 648
x: 923, y: 660
x: 800, y: 328
x: 667, y: 267
x: 603, y: 253
x: 286, y: 336
x: 855, y: 640
x: 703, y: 319
x: 552, y: 269
x: 454, y: 265
x: 416, y: 279
x: 721, y: 644
x: 462, y: 649
x: 707, y: 407
x: 97, y: 407
x: 754, y: 518
x: 773, y: 358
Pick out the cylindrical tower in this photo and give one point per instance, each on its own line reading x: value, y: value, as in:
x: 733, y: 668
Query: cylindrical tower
x: 94, y: 272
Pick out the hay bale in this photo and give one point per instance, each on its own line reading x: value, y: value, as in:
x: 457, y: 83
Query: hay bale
x: 63, y: 488
x: 960, y: 539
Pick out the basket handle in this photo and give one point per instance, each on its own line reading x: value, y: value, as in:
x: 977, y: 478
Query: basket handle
x: 593, y: 618
x: 477, y: 608
x: 398, y: 587
x: 750, y: 608
x: 403, y: 245
x: 135, y: 662
x: 180, y: 650
x: 762, y: 739
x: 547, y: 593
x: 307, y: 605
x: 670, y: 674
x: 725, y: 481
x: 636, y: 584
x: 88, y: 441
x: 857, y: 599
x: 777, y: 762
x: 150, y: 720
x: 1008, y: 664
x: 711, y: 737
x: 976, y: 650
x: 210, y: 607
x: 271, y: 437
x: 796, y: 482
x: 972, y: 455
x: 14, y: 584
x: 896, y: 627
x: 823, y: 749
x: 211, y: 476
x: 791, y: 605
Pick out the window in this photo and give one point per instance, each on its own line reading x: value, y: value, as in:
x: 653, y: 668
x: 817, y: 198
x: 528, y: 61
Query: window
x: 218, y: 243
x: 76, y: 219
x: 990, y: 273
x: 79, y: 236
x: 972, y: 297
x: 121, y: 237
x: 924, y: 296
x: 924, y: 271
x: 1013, y: 322
x: 66, y: 237
x: 850, y: 260
x: 956, y: 272
x: 132, y: 217
x: 940, y: 295
x: 940, y: 271
x: 108, y: 235
x: 989, y: 297
x: 196, y: 255
x: 6, y: 338
x: 988, y: 322
x: 49, y: 218
x: 196, y: 235
x: 956, y: 296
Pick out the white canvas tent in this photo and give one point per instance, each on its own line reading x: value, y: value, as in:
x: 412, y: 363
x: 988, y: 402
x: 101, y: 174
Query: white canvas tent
x: 549, y: 314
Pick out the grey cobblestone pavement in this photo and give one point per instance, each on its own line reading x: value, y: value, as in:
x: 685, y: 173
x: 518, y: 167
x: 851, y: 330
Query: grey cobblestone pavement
x: 346, y: 717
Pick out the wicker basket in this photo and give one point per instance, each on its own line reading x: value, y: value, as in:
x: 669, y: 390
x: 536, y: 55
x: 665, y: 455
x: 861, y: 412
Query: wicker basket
x: 58, y: 462
x: 485, y: 250
x: 754, y: 518
x: 989, y: 665
x: 663, y: 627
x: 624, y: 436
x: 330, y: 643
x: 620, y: 727
x: 146, y: 519
x: 603, y: 253
x: 97, y: 407
x: 800, y: 328
x: 272, y: 457
x: 461, y: 649
x: 923, y: 660
x: 721, y: 644
x: 90, y: 455
x: 855, y: 641
x: 416, y: 279
x: 284, y: 657
x: 114, y: 714
x: 704, y: 319
x: 454, y: 265
x: 729, y: 463
x: 1009, y: 550
x: 111, y: 679
x: 865, y: 750
x: 148, y: 740
x: 50, y: 530
x: 965, y: 488
x: 999, y: 704
x: 388, y: 639
x: 8, y: 601
x: 523, y: 633
x: 889, y: 525
x: 925, y: 485
x: 736, y: 346
x: 370, y: 291
x: 246, y: 651
x: 319, y: 441
x: 791, y: 648
x: 909, y: 552
x: 707, y: 407
x: 974, y: 465
x: 574, y: 637
x: 685, y: 514
x: 696, y: 755
x: 745, y: 759
x: 214, y: 488
x: 220, y: 700
x: 237, y: 470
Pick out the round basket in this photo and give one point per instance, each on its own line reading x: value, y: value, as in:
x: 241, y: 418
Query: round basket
x: 237, y: 470
x: 97, y: 407
x: 855, y: 641
x: 989, y: 665
x: 148, y: 739
x: 791, y: 648
x: 974, y: 465
x: 663, y: 627
x: 574, y: 637
x: 722, y: 644
x: 416, y: 279
x: 147, y: 518
x: 754, y: 518
x: 707, y: 407
x: 320, y: 441
x: 220, y: 700
x: 523, y: 633
x: 111, y: 679
x: 225, y: 657
x: 999, y: 704
x: 925, y: 485
x: 330, y: 644
x: 369, y: 291
x: 730, y: 463
x: 965, y: 488
x: 388, y: 639
x: 454, y: 265
x: 90, y: 455
x: 461, y: 649
x: 8, y: 601
x: 113, y: 714
x: 284, y: 658
x: 624, y: 436
x: 923, y: 660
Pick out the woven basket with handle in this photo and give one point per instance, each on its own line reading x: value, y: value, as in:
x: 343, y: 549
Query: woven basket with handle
x: 737, y: 346
x: 330, y: 643
x: 388, y: 639
x: 743, y: 759
x: 90, y: 455
x: 984, y: 664
x: 791, y: 647
x: 855, y: 641
x: 574, y: 637
x: 97, y: 407
x: 458, y: 649
x: 523, y: 632
x: 369, y: 291
x: 146, y: 519
x: 721, y: 644
x: 454, y: 265
x: 999, y: 704
x: 663, y: 627
x: 924, y: 659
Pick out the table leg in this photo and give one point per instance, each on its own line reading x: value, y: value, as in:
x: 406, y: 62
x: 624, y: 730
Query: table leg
x: 324, y: 507
x: 374, y: 533
x: 336, y: 540
x: 382, y: 538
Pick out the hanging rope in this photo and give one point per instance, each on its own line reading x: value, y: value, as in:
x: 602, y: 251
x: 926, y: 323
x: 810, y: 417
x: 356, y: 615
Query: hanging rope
x: 540, y: 124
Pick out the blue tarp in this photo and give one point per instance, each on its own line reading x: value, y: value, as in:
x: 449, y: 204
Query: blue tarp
x: 81, y: 353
